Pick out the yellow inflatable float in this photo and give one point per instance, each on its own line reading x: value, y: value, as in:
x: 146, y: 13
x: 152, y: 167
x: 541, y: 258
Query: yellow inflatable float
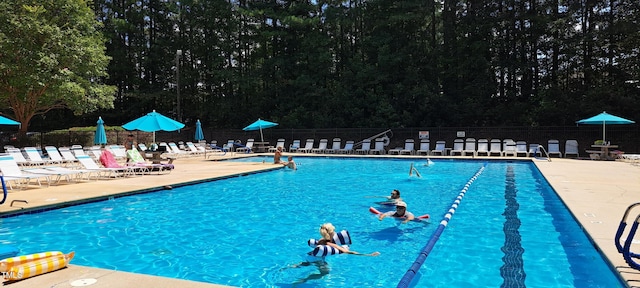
x: 22, y: 267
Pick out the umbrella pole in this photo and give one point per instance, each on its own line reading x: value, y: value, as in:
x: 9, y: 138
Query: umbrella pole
x: 604, y: 130
x: 261, y: 136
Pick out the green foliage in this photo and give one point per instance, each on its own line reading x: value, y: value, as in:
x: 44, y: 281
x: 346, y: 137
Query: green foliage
x: 52, y: 56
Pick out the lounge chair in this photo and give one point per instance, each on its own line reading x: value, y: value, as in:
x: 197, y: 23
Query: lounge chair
x: 440, y: 148
x: 322, y: 146
x: 102, y: 172
x: 335, y: 146
x: 396, y: 151
x: 11, y: 171
x: 553, y: 148
x: 245, y: 148
x: 495, y: 148
x: 409, y: 146
x: 109, y: 161
x: 136, y: 160
x: 348, y: 148
x: 295, y: 146
x: 193, y: 149
x: 229, y: 147
x: 118, y: 151
x: 55, y: 155
x: 378, y: 147
x: 424, y: 147
x: 67, y: 155
x: 77, y: 150
x: 279, y: 143
x: 469, y: 147
x: 509, y: 147
x: 458, y: 147
x: 68, y: 175
x: 571, y: 148
x: 483, y: 147
x: 19, y: 157
x: 34, y: 156
x: 94, y: 152
x: 307, y: 147
x: 365, y: 148
x: 521, y: 149
x: 177, y: 152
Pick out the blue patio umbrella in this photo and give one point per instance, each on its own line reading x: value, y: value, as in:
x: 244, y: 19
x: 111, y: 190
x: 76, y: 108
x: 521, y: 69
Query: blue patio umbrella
x: 259, y: 125
x: 7, y: 121
x: 603, y: 119
x: 101, y: 135
x: 199, y: 135
x: 153, y: 122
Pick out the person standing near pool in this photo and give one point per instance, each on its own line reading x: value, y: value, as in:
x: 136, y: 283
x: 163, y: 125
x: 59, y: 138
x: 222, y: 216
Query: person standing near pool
x: 401, y: 212
x: 277, y: 155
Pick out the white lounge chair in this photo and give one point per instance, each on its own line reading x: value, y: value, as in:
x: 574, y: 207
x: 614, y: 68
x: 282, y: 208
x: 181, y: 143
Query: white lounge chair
x: 553, y: 148
x: 67, y: 155
x: 495, y: 148
x: 11, y: 171
x: 34, y: 156
x: 571, y: 148
x: 483, y: 147
x: 424, y: 147
x: 55, y: 155
x: 458, y: 147
x: 469, y: 147
x: 348, y: 148
x: 365, y: 148
x: 378, y: 147
x: 295, y: 146
x: 509, y: 147
x: 279, y: 143
x: 397, y: 151
x: 247, y: 146
x: 19, y: 157
x: 308, y: 147
x: 89, y: 164
x: 409, y: 146
x: 521, y: 149
x: 440, y: 148
x: 68, y: 175
x: 335, y: 146
x: 322, y: 146
x: 534, y: 150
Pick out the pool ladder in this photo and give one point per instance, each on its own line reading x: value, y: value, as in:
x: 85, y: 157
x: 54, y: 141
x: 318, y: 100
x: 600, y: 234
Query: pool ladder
x: 624, y: 248
x: 541, y: 148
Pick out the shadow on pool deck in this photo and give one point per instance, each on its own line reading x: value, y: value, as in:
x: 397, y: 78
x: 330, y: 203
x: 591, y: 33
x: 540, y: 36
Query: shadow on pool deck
x: 597, y: 193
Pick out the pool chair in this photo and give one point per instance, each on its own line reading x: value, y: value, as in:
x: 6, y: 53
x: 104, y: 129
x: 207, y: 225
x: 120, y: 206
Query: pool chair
x: 440, y: 148
x: 245, y: 148
x: 57, y: 174
x: 534, y: 150
x: 553, y: 148
x: 94, y: 152
x: 483, y: 147
x: 279, y: 143
x: 33, y: 156
x: 11, y: 172
x: 469, y: 147
x: 77, y: 150
x: 348, y: 148
x: 136, y: 160
x: 509, y: 147
x: 193, y: 149
x: 409, y: 146
x: 307, y: 146
x: 396, y: 151
x: 322, y: 146
x: 67, y: 155
x: 118, y: 151
x: 458, y: 147
x: 102, y: 172
x: 571, y: 148
x: 295, y: 146
x: 19, y: 157
x: 378, y: 147
x: 109, y: 161
x: 424, y: 147
x: 335, y: 146
x: 365, y: 148
x: 521, y: 149
x: 55, y: 155
x: 495, y: 147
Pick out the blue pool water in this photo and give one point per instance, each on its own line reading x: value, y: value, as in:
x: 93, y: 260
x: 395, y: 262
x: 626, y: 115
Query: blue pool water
x: 510, y: 229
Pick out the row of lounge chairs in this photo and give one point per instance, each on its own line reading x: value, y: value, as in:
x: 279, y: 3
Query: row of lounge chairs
x: 461, y: 147
x: 63, y: 164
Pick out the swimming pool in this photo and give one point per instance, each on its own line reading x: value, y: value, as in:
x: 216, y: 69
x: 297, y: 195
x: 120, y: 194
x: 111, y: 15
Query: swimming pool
x: 246, y: 231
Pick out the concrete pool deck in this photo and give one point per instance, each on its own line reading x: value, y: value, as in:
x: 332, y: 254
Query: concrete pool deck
x: 597, y: 193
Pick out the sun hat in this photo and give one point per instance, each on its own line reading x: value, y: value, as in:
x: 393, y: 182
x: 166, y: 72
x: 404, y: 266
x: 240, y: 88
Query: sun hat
x: 402, y: 204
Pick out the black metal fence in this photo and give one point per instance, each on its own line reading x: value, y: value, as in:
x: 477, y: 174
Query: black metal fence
x: 627, y: 137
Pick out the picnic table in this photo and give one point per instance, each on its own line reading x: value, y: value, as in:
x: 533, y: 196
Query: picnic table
x: 603, y: 153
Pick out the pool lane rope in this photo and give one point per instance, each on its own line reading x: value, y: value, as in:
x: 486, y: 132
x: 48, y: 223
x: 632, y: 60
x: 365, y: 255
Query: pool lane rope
x: 415, y: 267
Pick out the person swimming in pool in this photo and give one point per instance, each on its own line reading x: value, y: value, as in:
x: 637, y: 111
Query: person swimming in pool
x: 392, y: 199
x: 290, y: 164
x: 401, y: 212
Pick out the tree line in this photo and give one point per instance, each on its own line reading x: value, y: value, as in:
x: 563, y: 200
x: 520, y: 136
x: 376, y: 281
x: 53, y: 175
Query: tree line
x: 373, y: 63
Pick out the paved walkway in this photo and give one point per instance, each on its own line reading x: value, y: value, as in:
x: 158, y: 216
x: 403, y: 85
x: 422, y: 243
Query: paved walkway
x: 597, y: 192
